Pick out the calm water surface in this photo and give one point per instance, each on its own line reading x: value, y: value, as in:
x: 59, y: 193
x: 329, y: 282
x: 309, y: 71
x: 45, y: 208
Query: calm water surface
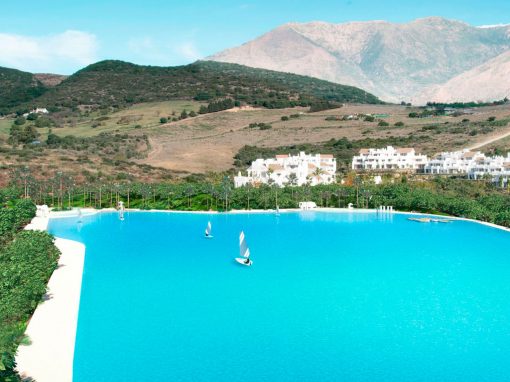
x: 330, y: 297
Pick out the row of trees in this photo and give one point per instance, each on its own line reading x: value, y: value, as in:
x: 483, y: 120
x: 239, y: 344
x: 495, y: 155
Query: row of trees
x: 27, y: 260
x: 459, y: 197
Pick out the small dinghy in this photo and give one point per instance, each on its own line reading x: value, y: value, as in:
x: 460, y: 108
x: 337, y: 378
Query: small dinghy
x: 208, y: 231
x: 244, y: 252
x: 441, y: 220
x: 420, y: 220
x: 277, y: 212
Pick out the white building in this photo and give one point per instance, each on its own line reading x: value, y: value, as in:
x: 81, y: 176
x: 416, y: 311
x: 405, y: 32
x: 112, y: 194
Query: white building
x: 474, y: 164
x: 38, y: 110
x: 294, y: 170
x: 452, y: 163
x: 497, y: 168
x: 389, y: 158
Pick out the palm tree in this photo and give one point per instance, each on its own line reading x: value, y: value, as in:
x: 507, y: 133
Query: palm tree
x: 293, y: 179
x: 326, y: 195
x: 357, y: 182
x: 209, y: 189
x: 226, y: 189
x: 248, y: 192
x: 189, y: 191
x: 367, y: 196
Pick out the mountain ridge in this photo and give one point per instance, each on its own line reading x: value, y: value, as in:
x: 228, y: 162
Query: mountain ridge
x: 395, y: 61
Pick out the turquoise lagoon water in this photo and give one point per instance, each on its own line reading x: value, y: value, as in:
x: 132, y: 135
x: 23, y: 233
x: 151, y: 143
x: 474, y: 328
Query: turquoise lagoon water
x: 330, y: 297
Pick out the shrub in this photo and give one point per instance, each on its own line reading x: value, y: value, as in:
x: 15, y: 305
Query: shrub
x: 163, y: 120
x: 20, y: 121
x: 260, y: 126
x: 383, y: 124
x: 27, y: 264
x: 285, y: 118
x: 399, y: 124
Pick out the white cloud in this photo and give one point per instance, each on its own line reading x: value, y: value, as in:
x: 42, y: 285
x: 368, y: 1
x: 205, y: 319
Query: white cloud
x: 493, y: 26
x: 140, y: 45
x: 62, y: 52
x: 188, y: 50
x: 150, y: 51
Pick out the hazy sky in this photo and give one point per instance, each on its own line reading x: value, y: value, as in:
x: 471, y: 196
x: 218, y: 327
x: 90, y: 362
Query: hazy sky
x: 61, y: 36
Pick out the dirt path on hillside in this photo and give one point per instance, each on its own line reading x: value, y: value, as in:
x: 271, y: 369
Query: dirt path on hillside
x: 490, y: 140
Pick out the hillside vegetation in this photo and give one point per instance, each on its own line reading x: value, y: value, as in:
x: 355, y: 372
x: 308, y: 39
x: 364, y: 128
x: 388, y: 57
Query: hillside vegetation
x: 16, y: 88
x: 117, y: 83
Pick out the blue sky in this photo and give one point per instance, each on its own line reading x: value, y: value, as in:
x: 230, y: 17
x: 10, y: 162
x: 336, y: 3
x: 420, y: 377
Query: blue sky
x: 62, y: 36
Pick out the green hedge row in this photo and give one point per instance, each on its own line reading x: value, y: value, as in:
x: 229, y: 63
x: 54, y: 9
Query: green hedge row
x: 27, y: 260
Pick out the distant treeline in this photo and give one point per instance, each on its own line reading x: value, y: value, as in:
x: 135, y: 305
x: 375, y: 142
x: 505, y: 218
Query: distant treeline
x: 465, y: 105
x: 459, y: 197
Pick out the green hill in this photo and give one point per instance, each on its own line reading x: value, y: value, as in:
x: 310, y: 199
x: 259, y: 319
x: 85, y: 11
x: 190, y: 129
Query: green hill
x: 117, y: 83
x: 17, y: 88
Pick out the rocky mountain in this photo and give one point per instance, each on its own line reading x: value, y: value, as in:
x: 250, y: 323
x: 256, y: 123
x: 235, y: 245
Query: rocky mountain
x: 393, y: 61
x: 487, y: 82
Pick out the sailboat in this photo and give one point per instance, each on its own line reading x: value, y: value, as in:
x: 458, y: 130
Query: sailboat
x: 208, y: 231
x: 244, y: 252
x: 121, y: 210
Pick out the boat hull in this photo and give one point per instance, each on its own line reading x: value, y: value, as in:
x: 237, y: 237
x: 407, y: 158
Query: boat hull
x: 242, y: 260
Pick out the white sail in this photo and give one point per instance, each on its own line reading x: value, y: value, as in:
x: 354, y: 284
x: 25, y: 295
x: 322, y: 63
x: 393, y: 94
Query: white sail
x: 243, y: 247
x: 208, y: 229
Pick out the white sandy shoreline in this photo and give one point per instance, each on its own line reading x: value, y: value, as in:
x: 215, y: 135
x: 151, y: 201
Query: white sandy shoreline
x: 52, y: 328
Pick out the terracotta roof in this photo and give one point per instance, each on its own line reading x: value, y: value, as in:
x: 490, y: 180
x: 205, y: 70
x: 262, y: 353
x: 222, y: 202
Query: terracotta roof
x: 468, y: 154
x: 364, y: 151
x: 327, y: 156
x: 405, y: 150
x: 282, y: 156
x: 311, y: 166
x: 275, y: 167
